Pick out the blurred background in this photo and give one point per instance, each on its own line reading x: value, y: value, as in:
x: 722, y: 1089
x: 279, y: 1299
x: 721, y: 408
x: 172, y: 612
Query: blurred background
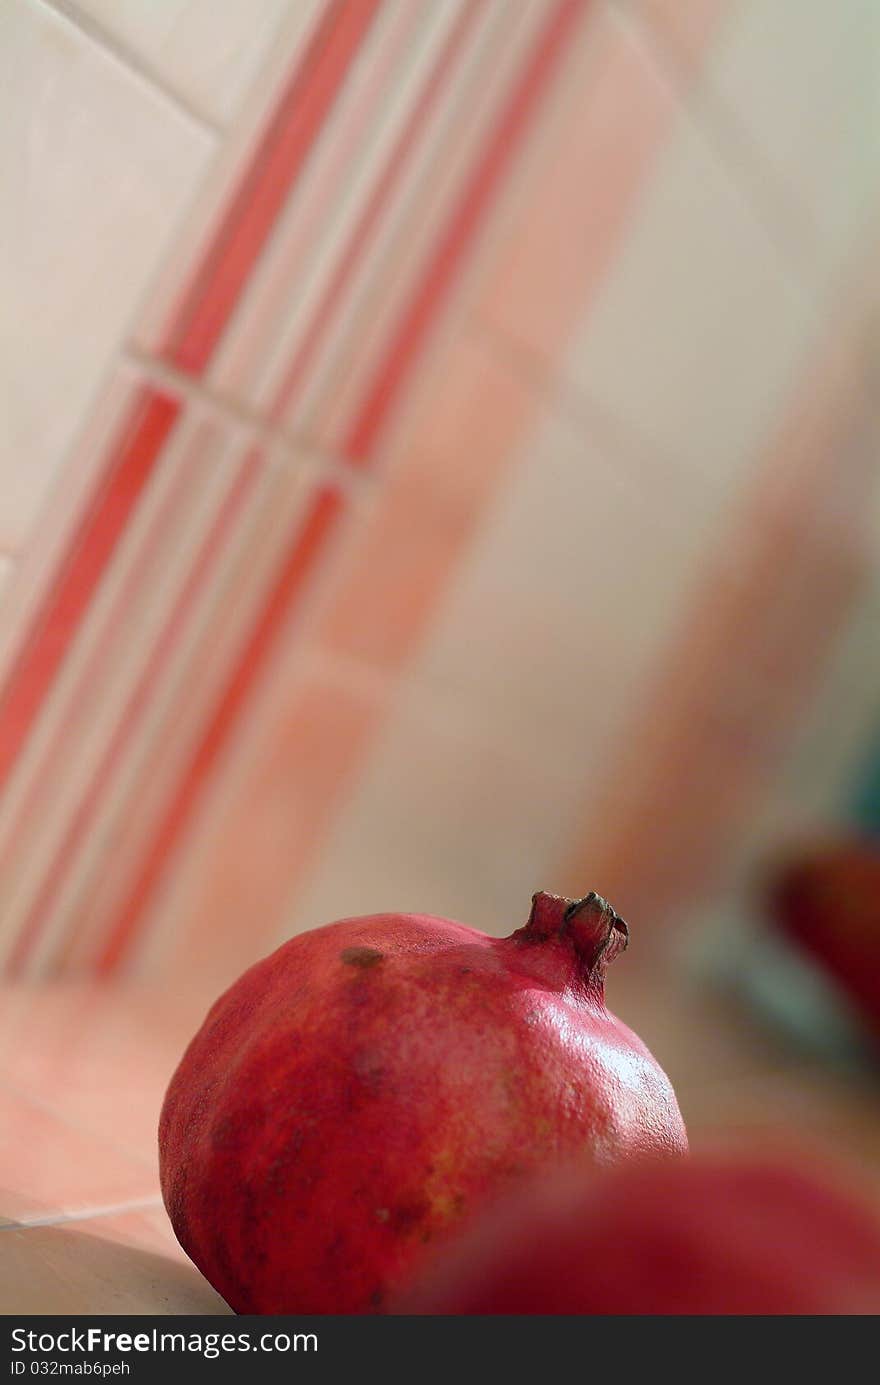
x: 440, y: 463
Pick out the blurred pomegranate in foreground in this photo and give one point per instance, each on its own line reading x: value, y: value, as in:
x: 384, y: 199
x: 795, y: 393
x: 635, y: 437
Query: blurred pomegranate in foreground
x: 828, y: 901
x: 705, y: 1235
x: 370, y: 1084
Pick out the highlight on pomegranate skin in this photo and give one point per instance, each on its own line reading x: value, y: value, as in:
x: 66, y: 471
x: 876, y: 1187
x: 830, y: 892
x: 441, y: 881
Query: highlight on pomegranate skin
x: 360, y: 1094
x: 718, y: 1234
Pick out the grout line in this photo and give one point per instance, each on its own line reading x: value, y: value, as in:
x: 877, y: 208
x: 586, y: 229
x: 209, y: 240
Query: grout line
x: 617, y: 439
x: 233, y: 413
x: 126, y: 57
x: 787, y: 223
x: 83, y: 1214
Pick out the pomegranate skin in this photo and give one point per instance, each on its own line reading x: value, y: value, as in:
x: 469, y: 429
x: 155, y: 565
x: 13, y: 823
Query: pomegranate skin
x: 372, y: 1083
x: 709, y: 1235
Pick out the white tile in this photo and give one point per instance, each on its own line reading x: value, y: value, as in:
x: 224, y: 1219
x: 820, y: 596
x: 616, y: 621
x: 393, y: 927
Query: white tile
x: 441, y: 823
x: 697, y: 335
x: 593, y: 153
x: 209, y: 52
x: 95, y: 169
x: 802, y: 79
x: 566, y: 596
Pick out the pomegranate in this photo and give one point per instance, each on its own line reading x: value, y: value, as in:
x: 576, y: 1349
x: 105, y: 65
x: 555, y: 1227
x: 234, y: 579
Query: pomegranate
x: 828, y: 901
x: 369, y: 1085
x: 712, y: 1234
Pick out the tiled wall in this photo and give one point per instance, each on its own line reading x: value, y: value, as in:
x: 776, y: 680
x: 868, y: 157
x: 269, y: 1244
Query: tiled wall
x: 440, y: 454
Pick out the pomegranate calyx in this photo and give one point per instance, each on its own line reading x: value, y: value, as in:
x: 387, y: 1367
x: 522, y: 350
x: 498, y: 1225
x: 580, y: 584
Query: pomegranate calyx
x: 594, y: 928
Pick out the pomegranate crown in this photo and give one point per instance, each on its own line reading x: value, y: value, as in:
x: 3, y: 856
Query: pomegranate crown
x: 595, y: 930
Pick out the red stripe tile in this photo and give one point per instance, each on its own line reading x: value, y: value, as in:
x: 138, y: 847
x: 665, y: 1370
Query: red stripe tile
x: 377, y: 407
x: 133, y: 460
x: 44, y: 775
x: 138, y: 702
x: 373, y: 210
x: 372, y: 417
x: 198, y: 325
x: 306, y: 551
x: 223, y: 275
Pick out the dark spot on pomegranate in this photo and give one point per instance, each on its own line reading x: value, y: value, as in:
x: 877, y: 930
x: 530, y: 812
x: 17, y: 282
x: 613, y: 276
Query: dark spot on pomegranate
x: 362, y: 957
x: 370, y: 1069
x: 407, y: 1215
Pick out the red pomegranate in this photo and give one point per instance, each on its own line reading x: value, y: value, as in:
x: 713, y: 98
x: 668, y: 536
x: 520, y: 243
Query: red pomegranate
x: 366, y: 1087
x: 758, y: 1234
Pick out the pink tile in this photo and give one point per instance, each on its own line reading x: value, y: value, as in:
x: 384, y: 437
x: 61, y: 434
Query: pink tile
x: 97, y: 1056
x: 448, y: 461
x: 271, y: 822
x: 603, y: 136
x: 49, y: 1168
x: 468, y: 416
x: 402, y: 562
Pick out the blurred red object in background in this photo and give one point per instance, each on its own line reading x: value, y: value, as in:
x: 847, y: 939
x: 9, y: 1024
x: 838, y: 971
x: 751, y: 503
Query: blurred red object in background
x: 827, y: 900
x: 754, y: 1233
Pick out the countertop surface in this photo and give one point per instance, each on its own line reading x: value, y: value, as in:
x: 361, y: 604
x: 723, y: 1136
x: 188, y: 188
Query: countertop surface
x: 84, y: 1068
